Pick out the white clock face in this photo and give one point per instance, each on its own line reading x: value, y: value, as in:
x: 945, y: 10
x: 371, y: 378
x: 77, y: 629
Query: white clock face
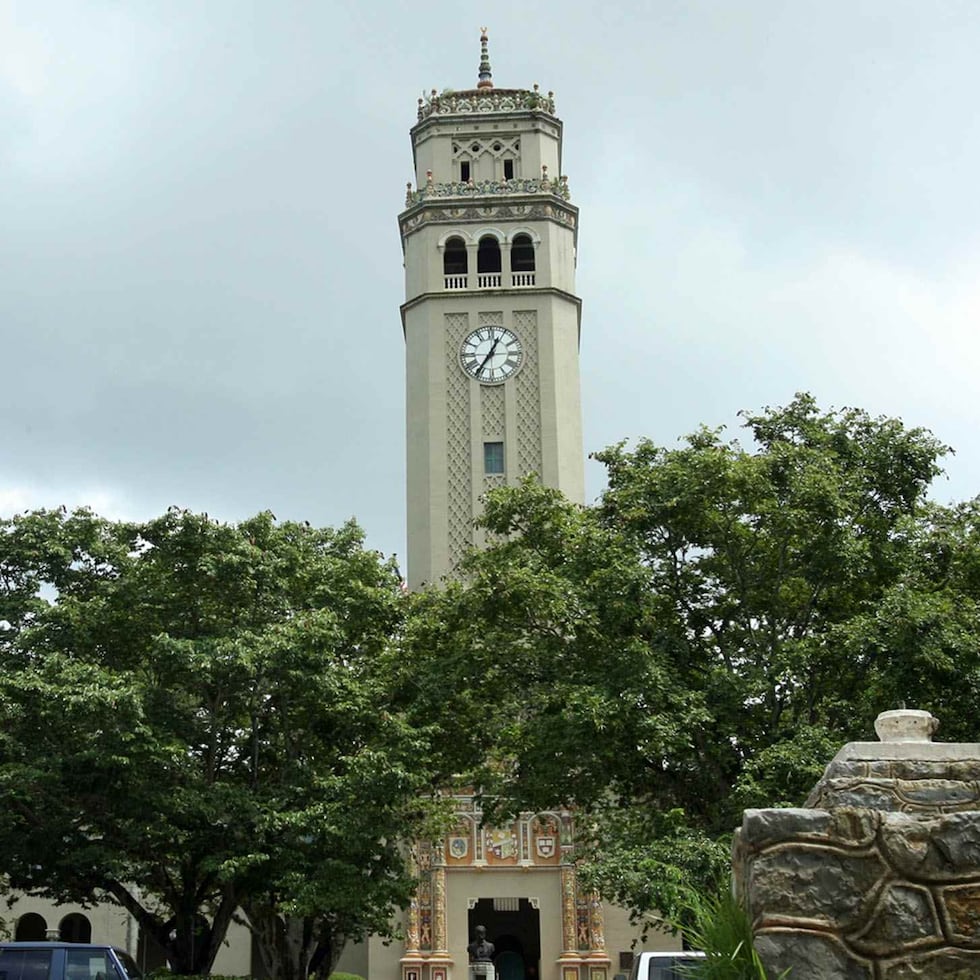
x: 491, y: 354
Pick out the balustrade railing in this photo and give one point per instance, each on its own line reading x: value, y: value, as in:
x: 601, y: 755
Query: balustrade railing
x: 490, y: 280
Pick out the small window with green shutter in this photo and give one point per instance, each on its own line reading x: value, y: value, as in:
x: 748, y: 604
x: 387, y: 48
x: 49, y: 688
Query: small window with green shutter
x: 493, y: 457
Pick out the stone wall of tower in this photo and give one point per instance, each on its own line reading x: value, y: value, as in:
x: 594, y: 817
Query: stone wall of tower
x: 552, y: 224
x: 536, y: 415
x: 510, y: 141
x: 470, y: 125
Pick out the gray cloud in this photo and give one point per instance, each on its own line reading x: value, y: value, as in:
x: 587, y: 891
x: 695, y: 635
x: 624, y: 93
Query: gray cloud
x: 200, y: 271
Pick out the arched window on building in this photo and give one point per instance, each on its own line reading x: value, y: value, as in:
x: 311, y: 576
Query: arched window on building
x: 75, y: 928
x: 454, y: 263
x: 488, y: 262
x: 522, y: 261
x: 30, y: 928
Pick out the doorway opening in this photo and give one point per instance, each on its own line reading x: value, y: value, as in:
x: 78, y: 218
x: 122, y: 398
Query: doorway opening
x: 514, y: 928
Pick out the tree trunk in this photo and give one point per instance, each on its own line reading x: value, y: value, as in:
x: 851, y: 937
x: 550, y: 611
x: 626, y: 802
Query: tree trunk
x: 190, y: 942
x: 291, y: 947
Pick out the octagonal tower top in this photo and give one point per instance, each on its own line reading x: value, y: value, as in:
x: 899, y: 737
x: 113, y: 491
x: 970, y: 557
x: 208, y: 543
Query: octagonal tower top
x: 484, y: 98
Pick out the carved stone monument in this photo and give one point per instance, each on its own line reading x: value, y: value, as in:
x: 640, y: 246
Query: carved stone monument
x: 878, y: 877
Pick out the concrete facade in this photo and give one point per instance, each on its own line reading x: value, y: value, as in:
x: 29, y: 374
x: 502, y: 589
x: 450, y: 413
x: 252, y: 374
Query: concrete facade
x: 488, y: 173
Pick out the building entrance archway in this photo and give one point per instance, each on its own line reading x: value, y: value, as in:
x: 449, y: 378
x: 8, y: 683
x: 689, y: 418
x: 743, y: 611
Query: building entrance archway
x: 514, y: 927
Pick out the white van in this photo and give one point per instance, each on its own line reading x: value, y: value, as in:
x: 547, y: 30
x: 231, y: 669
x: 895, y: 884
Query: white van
x: 661, y: 966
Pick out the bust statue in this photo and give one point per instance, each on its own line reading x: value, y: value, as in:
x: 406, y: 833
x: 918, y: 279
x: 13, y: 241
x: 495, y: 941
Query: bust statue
x: 480, y: 950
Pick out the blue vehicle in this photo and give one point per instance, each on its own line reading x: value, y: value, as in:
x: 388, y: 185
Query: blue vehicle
x: 65, y: 961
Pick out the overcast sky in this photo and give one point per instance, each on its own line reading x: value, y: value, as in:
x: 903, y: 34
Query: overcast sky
x: 200, y: 269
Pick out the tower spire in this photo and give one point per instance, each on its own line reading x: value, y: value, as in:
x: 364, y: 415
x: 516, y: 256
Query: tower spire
x: 486, y: 75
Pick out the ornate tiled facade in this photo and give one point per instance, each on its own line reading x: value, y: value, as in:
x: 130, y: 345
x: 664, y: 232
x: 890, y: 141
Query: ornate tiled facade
x: 532, y: 842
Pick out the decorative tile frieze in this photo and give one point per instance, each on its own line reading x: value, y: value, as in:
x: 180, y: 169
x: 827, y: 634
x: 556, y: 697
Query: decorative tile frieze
x: 557, y: 187
x: 568, y: 908
x: 483, y: 101
x: 486, y: 210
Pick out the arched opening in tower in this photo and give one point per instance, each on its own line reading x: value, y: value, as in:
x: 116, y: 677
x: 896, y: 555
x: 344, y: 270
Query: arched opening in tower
x: 454, y: 261
x: 488, y: 255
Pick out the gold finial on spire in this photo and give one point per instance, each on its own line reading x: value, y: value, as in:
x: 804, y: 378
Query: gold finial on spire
x: 486, y: 74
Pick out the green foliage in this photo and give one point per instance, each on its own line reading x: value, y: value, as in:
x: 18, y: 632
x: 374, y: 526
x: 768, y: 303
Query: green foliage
x: 704, y: 638
x: 345, y: 976
x: 644, y: 859
x: 719, y: 926
x: 919, y: 644
x: 194, y: 720
x: 783, y: 773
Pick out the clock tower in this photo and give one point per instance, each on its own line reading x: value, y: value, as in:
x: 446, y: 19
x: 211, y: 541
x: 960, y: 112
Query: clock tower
x: 491, y: 324
x: 490, y: 317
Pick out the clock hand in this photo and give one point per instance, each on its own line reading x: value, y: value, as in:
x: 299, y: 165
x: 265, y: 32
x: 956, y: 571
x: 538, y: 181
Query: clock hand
x: 493, y: 347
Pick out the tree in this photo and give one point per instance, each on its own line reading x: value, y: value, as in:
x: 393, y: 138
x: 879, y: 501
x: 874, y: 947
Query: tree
x: 343, y: 781
x: 703, y: 638
x: 193, y: 721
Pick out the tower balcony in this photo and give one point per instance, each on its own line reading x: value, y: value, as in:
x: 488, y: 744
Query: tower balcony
x: 491, y: 280
x: 494, y: 261
x: 518, y: 186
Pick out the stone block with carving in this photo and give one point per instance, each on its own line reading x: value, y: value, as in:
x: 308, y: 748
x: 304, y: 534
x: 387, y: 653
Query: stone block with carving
x: 878, y: 877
